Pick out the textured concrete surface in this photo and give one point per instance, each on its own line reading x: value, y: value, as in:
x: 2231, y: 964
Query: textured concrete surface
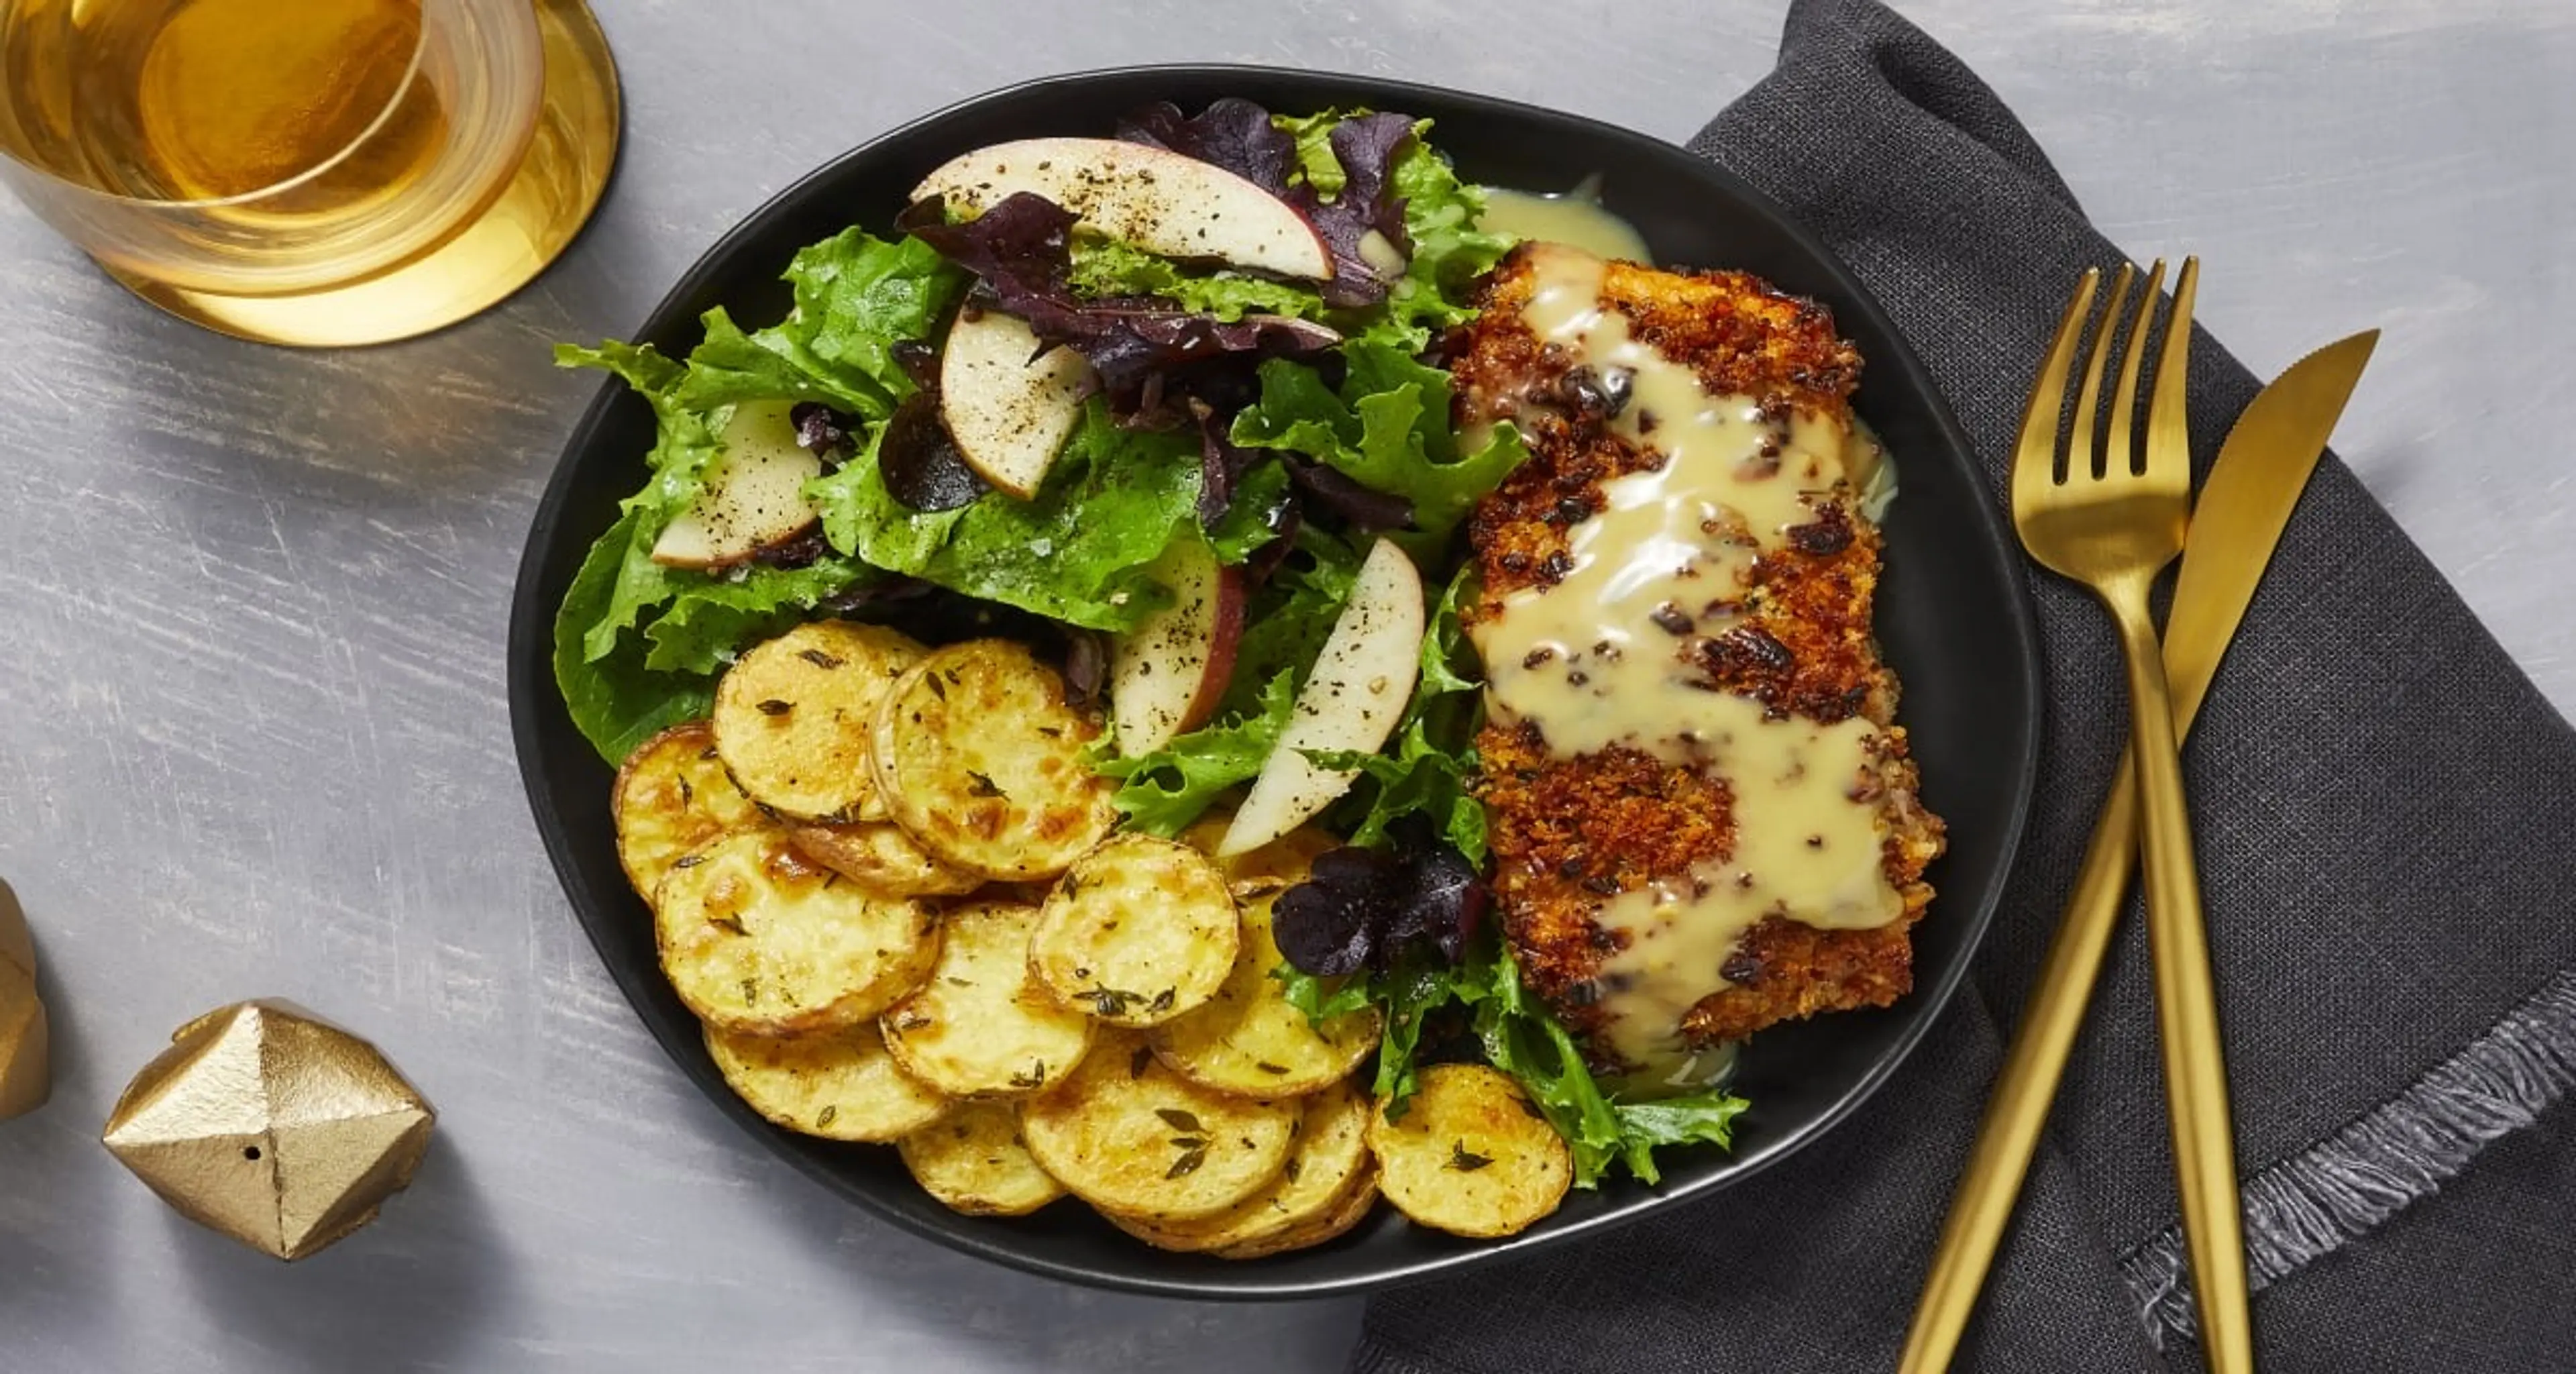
x: 252, y: 604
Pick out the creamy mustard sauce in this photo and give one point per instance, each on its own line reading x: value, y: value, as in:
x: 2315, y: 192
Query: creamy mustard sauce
x: 1575, y: 219
x: 1873, y: 472
x: 1604, y: 657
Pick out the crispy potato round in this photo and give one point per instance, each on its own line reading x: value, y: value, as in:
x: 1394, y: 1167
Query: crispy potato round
x: 1280, y: 864
x: 1330, y: 1155
x: 674, y: 796
x: 1249, y: 1041
x: 1471, y: 1156
x: 981, y: 1026
x: 974, y: 1161
x: 879, y: 855
x: 1131, y: 1137
x: 841, y: 1085
x: 1140, y: 931
x: 792, y: 717
x: 1358, y: 1198
x: 980, y: 757
x: 759, y: 941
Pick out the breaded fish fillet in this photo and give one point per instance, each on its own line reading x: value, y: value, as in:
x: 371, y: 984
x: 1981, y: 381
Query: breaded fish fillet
x: 1572, y: 834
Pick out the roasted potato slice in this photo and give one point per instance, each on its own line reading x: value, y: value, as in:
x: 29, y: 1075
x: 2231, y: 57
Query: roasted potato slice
x: 1358, y: 1197
x: 1131, y: 1137
x: 1280, y: 864
x: 1329, y: 1157
x: 792, y: 717
x: 760, y: 941
x: 1139, y: 931
x: 980, y: 758
x: 1471, y: 1156
x: 1249, y: 1041
x: 840, y: 1085
x: 879, y: 855
x: 673, y: 796
x: 981, y: 1026
x: 974, y: 1161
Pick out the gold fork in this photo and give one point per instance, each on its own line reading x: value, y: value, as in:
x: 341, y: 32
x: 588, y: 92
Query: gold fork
x: 2113, y: 524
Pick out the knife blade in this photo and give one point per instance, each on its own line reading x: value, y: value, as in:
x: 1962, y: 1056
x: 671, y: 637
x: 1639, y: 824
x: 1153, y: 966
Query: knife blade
x: 2244, y: 506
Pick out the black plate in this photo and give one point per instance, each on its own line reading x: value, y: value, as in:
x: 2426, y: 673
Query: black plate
x: 1953, y: 614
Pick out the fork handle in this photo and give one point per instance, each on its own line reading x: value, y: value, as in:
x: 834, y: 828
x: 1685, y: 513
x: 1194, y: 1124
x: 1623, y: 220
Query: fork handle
x: 2027, y: 1084
x: 2204, y: 1143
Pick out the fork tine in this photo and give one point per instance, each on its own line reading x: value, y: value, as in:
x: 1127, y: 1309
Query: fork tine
x: 2080, y: 460
x: 2120, y: 450
x: 2035, y: 455
x: 2168, y: 428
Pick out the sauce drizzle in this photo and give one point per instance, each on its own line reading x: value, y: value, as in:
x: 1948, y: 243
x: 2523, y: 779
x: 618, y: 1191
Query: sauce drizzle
x: 1575, y: 218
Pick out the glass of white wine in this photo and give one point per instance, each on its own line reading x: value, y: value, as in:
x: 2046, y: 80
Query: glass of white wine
x: 310, y: 172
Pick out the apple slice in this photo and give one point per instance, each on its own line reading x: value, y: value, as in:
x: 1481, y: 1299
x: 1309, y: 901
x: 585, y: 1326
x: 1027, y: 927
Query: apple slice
x: 1351, y: 701
x: 1153, y: 198
x: 1008, y: 406
x: 754, y: 495
x: 1166, y: 675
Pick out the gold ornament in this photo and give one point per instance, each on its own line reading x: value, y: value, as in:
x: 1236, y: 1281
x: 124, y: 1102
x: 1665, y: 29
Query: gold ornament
x: 26, y: 1074
x: 272, y: 1126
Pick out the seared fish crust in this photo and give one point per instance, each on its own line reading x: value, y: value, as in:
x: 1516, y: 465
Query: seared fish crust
x: 1569, y: 834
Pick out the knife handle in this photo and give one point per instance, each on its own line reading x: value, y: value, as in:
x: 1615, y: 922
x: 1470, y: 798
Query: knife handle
x: 2018, y: 1108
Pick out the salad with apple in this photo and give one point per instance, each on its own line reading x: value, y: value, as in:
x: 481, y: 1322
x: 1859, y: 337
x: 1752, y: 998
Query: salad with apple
x: 1156, y: 424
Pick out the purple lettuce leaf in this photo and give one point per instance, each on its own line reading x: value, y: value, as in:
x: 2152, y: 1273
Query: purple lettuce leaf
x: 1239, y: 136
x: 1020, y: 248
x: 920, y: 463
x: 1361, y: 907
x: 1222, y: 463
x: 1367, y: 510
x: 1150, y: 354
x: 1232, y: 133
x: 1335, y: 922
x: 1366, y: 147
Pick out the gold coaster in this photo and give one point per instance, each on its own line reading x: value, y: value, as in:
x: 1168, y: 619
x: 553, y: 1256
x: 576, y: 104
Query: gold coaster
x: 558, y: 184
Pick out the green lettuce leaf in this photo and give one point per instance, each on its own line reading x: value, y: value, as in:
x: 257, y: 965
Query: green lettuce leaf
x: 614, y: 699
x: 1105, y: 267
x: 1449, y: 252
x: 1440, y: 215
x: 1702, y: 1118
x: 1408, y: 994
x: 684, y: 445
x: 1162, y: 792
x: 729, y: 367
x: 1520, y: 1037
x: 1321, y: 999
x: 710, y: 617
x: 1387, y: 428
x: 1315, y: 160
x: 857, y: 296
x: 1287, y: 619
x: 1075, y: 552
x: 1525, y: 1041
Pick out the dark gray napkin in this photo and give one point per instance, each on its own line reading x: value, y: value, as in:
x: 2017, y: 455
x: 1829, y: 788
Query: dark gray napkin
x: 2386, y: 812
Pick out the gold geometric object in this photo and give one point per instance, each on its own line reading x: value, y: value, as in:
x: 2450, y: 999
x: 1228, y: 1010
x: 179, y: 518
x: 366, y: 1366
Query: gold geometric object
x: 26, y: 1075
x: 272, y: 1126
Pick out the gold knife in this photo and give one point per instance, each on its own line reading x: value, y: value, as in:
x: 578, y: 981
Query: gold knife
x: 2235, y: 524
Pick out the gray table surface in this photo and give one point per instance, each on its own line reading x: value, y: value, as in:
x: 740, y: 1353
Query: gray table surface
x: 252, y: 733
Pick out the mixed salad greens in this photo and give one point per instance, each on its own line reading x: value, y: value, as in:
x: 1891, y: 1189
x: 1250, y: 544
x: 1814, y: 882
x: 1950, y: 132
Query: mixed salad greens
x: 1282, y: 425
